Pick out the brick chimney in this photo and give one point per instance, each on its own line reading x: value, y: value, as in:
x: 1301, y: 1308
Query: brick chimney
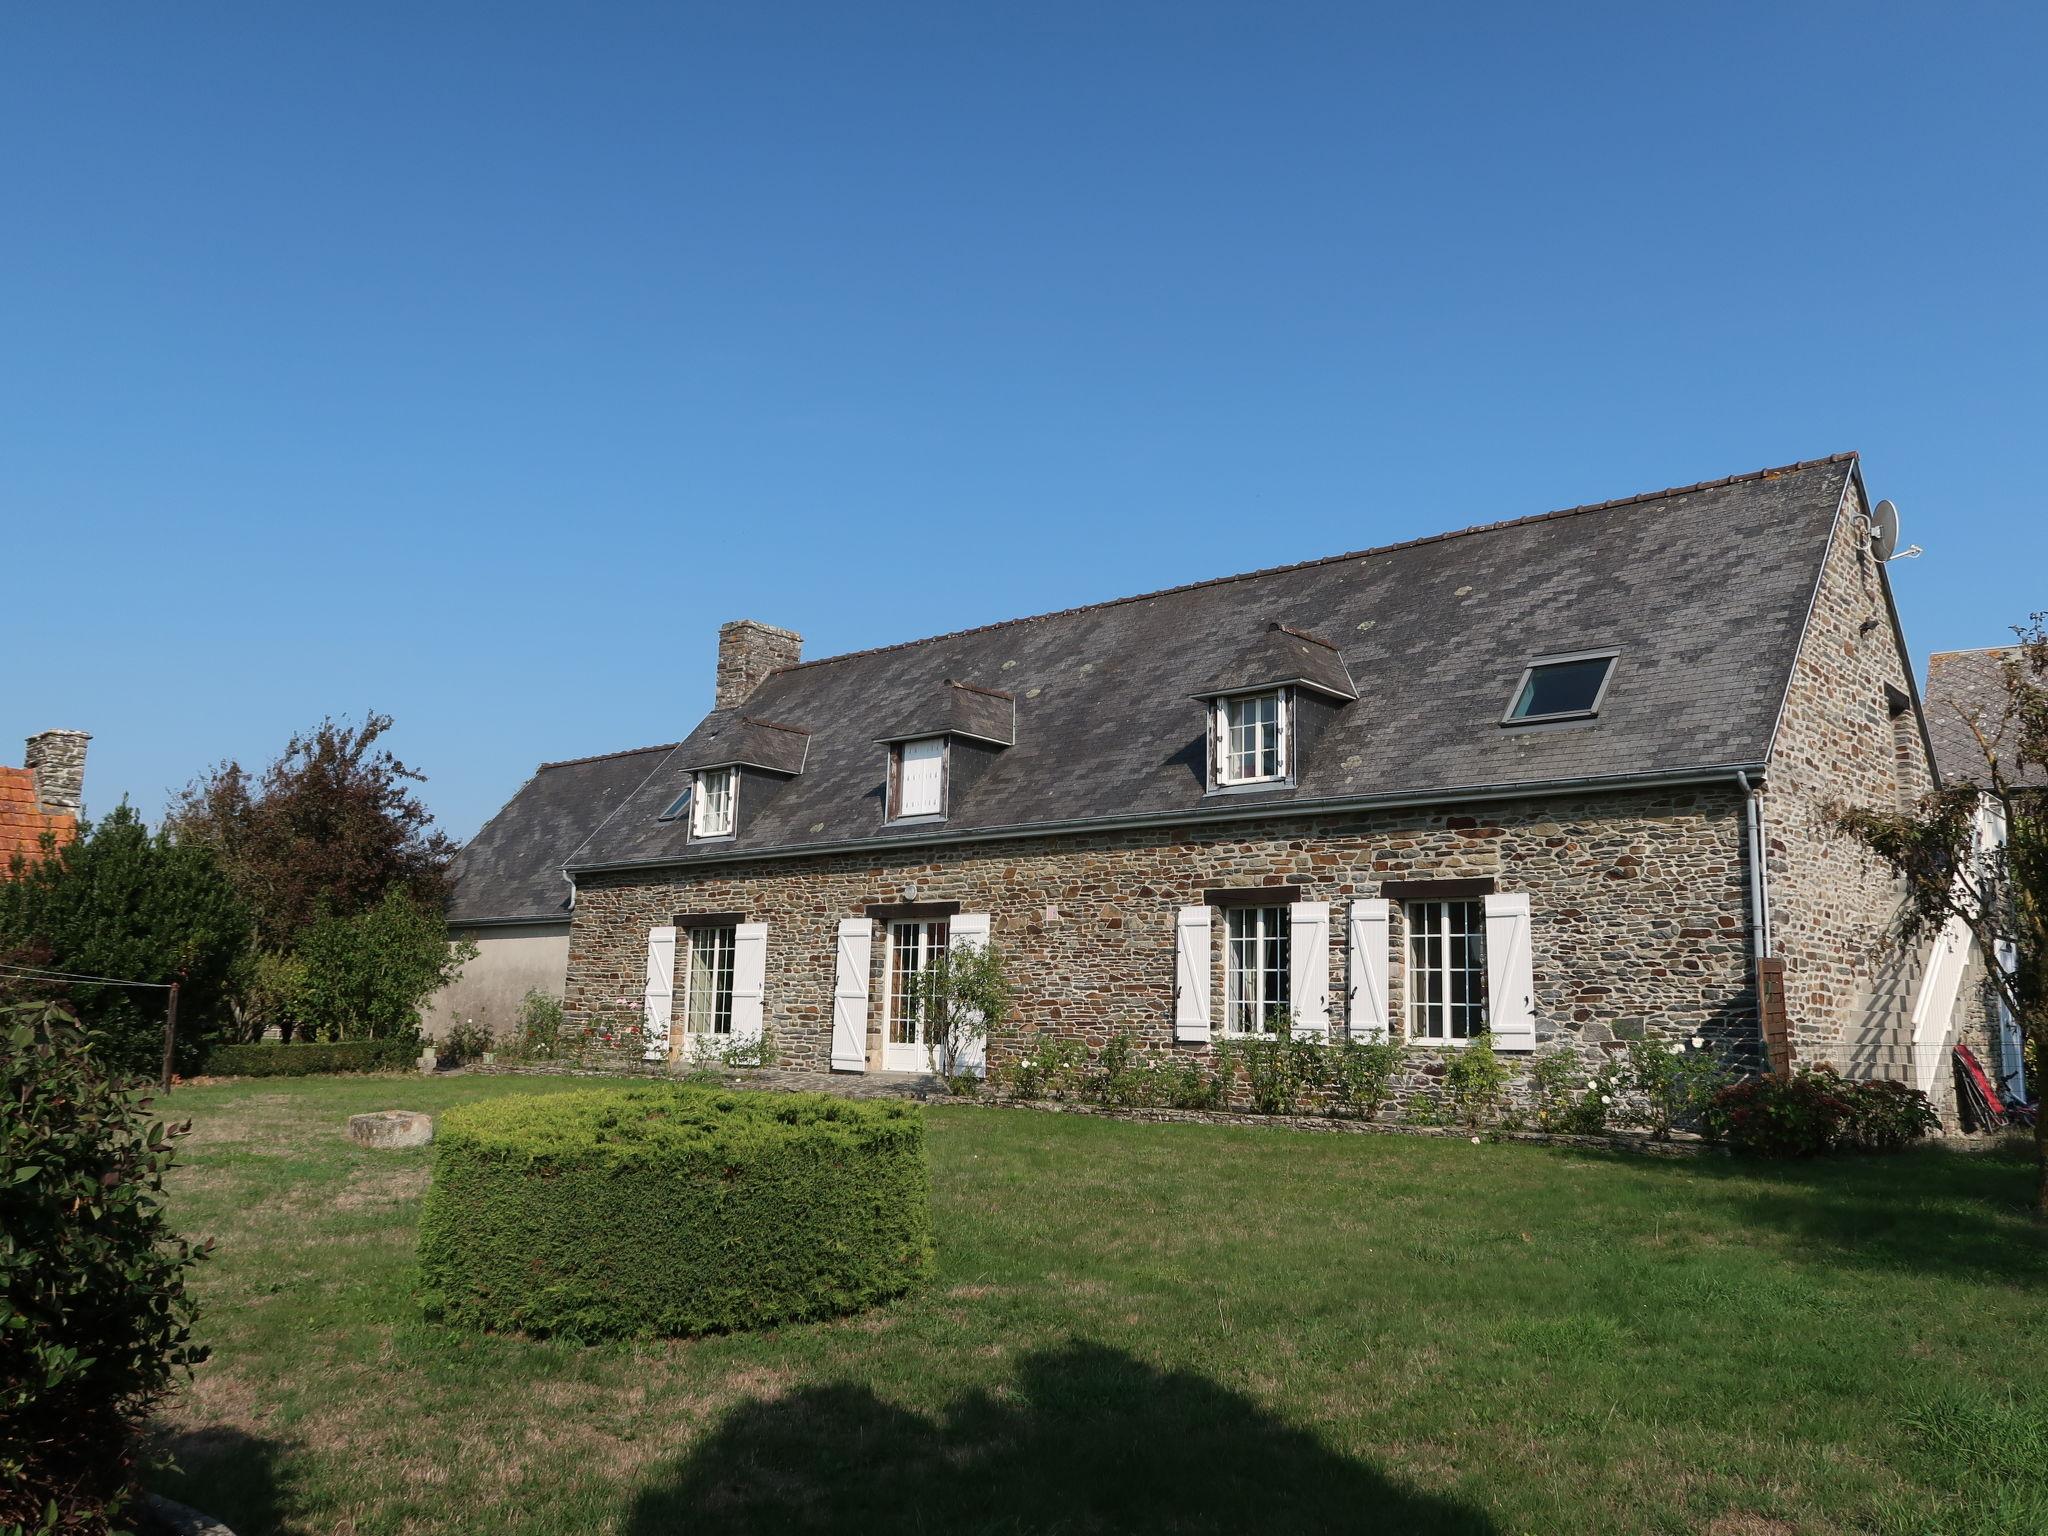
x: 57, y: 759
x: 747, y: 652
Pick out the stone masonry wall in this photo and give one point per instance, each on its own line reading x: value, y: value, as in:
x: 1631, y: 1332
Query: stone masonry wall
x: 1832, y: 904
x: 1639, y: 920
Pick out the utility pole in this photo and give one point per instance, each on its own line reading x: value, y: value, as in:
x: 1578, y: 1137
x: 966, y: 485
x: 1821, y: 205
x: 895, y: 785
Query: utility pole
x: 170, y: 1031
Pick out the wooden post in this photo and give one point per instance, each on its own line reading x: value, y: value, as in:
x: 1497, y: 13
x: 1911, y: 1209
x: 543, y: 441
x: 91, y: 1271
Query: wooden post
x: 170, y: 1032
x: 1771, y: 1015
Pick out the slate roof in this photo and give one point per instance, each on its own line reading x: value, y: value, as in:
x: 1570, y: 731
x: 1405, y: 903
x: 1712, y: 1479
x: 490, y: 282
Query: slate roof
x: 1962, y: 686
x: 726, y: 738
x: 959, y: 709
x: 1282, y: 655
x: 23, y: 821
x: 1703, y: 590
x: 511, y: 871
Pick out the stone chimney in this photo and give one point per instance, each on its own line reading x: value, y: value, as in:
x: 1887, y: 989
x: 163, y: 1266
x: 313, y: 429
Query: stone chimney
x: 57, y: 759
x: 747, y: 653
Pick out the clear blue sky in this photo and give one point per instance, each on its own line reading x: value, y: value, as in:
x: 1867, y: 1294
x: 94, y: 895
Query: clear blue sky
x: 473, y: 362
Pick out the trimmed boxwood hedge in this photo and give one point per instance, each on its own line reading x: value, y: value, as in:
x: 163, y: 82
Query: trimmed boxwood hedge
x: 671, y: 1209
x: 307, y: 1060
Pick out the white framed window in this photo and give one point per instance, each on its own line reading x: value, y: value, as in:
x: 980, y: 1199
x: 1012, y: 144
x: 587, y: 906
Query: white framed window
x: 921, y: 778
x: 915, y: 944
x: 711, y: 812
x: 707, y: 993
x: 1257, y: 966
x: 1251, y: 737
x: 1446, y: 969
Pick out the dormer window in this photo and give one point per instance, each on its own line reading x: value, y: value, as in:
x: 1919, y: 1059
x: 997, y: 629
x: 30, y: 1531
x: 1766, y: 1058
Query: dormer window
x: 1251, y: 737
x: 917, y: 778
x: 714, y: 803
x: 1561, y: 688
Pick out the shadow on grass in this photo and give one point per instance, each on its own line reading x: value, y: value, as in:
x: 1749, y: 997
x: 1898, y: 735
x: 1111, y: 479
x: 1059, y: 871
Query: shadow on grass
x: 235, y: 1477
x: 1941, y: 1210
x: 1086, y: 1439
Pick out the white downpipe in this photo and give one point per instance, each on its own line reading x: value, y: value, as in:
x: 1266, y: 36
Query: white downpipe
x: 1759, y: 871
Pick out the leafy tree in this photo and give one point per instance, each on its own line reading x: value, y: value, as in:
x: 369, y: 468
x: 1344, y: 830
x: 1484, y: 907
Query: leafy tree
x: 95, y: 1322
x: 122, y: 902
x: 366, y: 976
x: 329, y: 828
x: 1952, y: 871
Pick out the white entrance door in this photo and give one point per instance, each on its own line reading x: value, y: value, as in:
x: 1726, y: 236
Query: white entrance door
x: 912, y: 947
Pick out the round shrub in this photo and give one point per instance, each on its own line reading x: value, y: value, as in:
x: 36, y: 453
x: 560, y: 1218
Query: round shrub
x: 671, y: 1209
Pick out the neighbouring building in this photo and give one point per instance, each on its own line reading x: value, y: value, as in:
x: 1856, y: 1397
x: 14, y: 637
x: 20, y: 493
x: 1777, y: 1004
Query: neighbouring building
x: 509, y: 895
x: 46, y: 795
x: 1563, y: 778
x: 1954, y: 997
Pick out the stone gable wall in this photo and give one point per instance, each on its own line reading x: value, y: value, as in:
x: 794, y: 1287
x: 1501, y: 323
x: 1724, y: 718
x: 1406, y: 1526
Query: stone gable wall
x: 1831, y: 903
x: 1639, y: 922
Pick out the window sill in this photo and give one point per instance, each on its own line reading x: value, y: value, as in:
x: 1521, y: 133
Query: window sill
x: 712, y: 837
x: 1251, y: 787
x: 916, y: 821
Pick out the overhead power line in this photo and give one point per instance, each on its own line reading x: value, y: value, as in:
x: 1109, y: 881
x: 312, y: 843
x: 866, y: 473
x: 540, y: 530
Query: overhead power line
x: 36, y: 973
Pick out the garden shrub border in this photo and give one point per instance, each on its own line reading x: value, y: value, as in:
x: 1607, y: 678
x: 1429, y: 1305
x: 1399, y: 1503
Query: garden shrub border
x: 312, y: 1059
x: 672, y: 1209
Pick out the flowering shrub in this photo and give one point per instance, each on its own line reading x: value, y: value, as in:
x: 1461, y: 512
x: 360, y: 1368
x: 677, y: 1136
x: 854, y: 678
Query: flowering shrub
x: 1045, y: 1067
x: 1674, y: 1082
x: 1815, y: 1111
x: 465, y: 1041
x: 1883, y: 1115
x: 1798, y: 1116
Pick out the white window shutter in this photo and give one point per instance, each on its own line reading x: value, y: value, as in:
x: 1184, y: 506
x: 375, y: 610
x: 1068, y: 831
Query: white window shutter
x: 1308, y: 948
x: 658, y: 1001
x: 1281, y: 756
x: 970, y: 930
x: 749, y: 981
x: 921, y: 778
x: 1510, y: 973
x: 850, y: 995
x: 1191, y: 974
x: 1371, y: 939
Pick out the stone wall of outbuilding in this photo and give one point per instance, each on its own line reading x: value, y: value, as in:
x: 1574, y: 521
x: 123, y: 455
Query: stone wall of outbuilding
x: 1639, y: 915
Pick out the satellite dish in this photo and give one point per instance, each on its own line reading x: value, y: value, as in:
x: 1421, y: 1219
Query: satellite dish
x: 1884, y: 530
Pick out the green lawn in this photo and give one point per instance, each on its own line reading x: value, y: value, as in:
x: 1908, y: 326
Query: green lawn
x: 1159, y: 1328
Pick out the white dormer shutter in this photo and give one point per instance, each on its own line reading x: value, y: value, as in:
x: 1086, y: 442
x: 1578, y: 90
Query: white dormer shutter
x: 1371, y: 936
x: 850, y: 995
x: 1510, y: 973
x: 921, y: 778
x: 1191, y: 974
x: 659, y: 997
x: 1308, y: 982
x: 749, y: 981
x: 969, y: 930
x: 1283, y: 758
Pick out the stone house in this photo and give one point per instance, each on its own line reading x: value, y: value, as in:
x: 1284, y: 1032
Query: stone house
x: 45, y: 795
x: 1562, y: 778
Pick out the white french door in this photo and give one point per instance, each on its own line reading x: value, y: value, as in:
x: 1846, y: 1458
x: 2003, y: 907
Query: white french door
x: 913, y: 945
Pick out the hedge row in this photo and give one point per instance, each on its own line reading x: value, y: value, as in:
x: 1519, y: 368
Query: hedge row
x: 671, y: 1209
x: 307, y: 1060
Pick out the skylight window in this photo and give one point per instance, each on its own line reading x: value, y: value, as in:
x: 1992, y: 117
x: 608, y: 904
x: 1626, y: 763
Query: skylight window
x: 1560, y: 688
x: 676, y: 807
